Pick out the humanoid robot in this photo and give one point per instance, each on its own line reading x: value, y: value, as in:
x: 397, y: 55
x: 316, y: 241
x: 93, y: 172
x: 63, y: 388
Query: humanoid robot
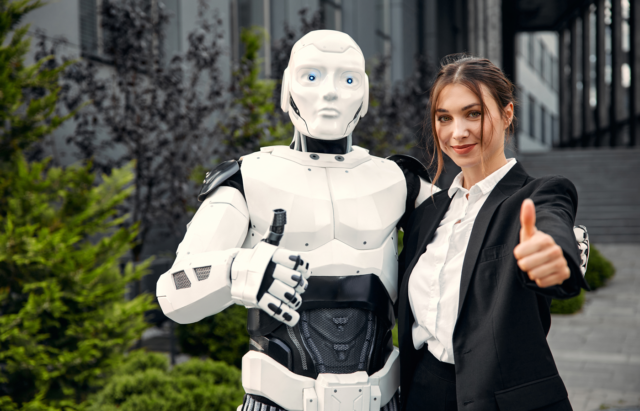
x: 330, y: 348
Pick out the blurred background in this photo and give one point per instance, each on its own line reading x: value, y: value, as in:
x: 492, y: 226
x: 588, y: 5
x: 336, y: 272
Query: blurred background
x: 179, y: 85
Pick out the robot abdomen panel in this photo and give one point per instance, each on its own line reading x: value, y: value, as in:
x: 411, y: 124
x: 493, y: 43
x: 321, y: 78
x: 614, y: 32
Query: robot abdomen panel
x: 368, y: 202
x: 271, y: 182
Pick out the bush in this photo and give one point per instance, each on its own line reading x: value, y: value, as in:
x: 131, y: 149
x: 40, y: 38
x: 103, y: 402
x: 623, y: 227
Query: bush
x: 221, y: 337
x: 568, y: 306
x: 64, y: 323
x: 599, y: 270
x: 145, y: 383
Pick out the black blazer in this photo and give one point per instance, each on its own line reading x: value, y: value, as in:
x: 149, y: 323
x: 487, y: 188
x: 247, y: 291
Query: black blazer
x: 501, y: 355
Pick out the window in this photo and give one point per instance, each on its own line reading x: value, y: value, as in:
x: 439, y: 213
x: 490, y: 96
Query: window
x: 532, y: 46
x: 383, y: 27
x: 543, y: 124
x: 332, y: 14
x: 95, y: 38
x: 553, y: 67
x: 541, y: 59
x: 532, y: 116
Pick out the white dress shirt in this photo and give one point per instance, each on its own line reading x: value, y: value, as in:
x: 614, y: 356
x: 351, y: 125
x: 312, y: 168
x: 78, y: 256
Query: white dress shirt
x: 434, y: 285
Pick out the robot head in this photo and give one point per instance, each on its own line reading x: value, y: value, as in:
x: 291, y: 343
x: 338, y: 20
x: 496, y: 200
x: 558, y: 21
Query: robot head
x: 325, y: 89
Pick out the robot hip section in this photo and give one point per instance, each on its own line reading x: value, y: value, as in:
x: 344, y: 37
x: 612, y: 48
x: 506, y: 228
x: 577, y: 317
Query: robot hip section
x: 341, y: 347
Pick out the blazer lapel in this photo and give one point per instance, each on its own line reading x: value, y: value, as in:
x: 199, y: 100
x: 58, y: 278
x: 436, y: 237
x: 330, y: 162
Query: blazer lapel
x: 431, y: 217
x: 509, y: 184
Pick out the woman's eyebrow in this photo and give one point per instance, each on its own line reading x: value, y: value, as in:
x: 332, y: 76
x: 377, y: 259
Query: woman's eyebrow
x: 469, y: 106
x: 442, y: 110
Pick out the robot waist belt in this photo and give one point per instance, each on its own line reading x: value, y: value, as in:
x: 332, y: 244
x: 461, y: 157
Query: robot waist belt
x: 263, y: 376
x: 365, y: 292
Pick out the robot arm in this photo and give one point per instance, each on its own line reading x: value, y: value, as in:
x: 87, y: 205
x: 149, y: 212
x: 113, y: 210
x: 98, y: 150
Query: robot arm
x: 199, y: 282
x: 211, y: 272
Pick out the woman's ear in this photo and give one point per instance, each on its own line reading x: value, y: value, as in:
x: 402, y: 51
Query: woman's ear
x: 508, y: 113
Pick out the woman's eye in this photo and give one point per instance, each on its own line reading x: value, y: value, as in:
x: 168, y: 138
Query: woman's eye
x: 474, y: 114
x: 443, y: 118
x: 312, y: 77
x: 349, y: 80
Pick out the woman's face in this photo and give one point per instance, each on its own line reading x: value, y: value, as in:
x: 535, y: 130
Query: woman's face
x: 458, y: 123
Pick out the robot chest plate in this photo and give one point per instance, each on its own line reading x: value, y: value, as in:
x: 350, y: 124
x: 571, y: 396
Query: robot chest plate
x: 356, y: 199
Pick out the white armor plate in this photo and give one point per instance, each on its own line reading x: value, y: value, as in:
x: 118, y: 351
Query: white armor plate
x: 341, y: 209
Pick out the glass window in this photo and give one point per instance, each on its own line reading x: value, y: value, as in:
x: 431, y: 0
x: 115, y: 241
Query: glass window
x: 532, y: 46
x: 543, y: 124
x: 541, y: 60
x: 532, y: 116
x: 332, y: 14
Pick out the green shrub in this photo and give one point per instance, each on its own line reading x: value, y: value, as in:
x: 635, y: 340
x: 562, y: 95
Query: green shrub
x: 221, y: 337
x: 568, y: 306
x: 64, y: 322
x: 145, y: 383
x: 599, y: 269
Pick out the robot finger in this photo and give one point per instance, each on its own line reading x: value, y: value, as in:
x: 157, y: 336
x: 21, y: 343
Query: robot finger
x: 289, y: 259
x: 285, y: 293
x: 291, y: 278
x: 304, y: 270
x: 278, y: 310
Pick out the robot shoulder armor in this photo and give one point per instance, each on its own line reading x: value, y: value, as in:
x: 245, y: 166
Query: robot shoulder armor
x: 217, y: 176
x: 410, y: 165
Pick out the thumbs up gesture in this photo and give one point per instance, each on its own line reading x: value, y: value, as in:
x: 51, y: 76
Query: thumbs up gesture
x: 538, y: 254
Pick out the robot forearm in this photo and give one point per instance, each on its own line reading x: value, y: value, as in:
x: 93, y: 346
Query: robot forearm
x: 197, y: 287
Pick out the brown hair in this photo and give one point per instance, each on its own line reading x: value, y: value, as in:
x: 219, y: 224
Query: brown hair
x: 471, y: 72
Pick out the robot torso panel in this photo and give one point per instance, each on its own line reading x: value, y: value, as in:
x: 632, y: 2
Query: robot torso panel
x: 342, y: 220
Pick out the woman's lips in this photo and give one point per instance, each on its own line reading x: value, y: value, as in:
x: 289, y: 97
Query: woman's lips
x: 463, y: 149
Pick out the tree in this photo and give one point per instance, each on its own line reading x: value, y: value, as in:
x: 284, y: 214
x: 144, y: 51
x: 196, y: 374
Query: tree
x: 158, y: 113
x: 64, y: 323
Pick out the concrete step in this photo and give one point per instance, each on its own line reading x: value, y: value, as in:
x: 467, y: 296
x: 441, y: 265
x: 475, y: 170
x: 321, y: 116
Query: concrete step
x: 607, y: 184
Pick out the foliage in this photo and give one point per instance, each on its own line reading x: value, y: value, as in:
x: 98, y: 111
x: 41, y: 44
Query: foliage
x: 157, y: 110
x: 253, y: 119
x: 599, y: 269
x: 145, y: 383
x: 394, y: 122
x: 568, y: 306
x: 64, y: 324
x: 222, y: 337
x: 27, y: 93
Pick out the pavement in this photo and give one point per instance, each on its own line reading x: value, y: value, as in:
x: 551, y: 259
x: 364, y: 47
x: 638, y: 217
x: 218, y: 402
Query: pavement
x: 597, y: 350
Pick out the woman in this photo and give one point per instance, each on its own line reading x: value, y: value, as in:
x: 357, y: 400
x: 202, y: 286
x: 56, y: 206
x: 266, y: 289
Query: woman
x: 476, y: 283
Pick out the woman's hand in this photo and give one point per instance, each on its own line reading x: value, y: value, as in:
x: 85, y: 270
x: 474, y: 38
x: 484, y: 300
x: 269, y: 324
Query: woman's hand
x: 538, y: 254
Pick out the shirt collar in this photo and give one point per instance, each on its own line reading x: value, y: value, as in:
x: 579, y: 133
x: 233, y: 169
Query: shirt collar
x: 485, y: 186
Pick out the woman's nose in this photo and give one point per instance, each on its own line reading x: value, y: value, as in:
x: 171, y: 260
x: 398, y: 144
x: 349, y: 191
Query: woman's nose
x: 460, y: 130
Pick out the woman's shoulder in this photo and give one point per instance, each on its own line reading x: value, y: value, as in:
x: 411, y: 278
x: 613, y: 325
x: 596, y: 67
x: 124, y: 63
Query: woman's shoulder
x: 549, y: 182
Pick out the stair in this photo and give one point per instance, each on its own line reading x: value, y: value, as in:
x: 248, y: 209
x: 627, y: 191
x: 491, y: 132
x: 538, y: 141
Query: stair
x: 608, y: 183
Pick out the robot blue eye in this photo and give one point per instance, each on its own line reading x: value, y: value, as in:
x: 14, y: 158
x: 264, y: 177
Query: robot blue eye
x: 349, y: 80
x: 312, y: 77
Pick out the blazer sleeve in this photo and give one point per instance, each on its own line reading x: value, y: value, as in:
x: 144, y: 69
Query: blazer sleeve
x: 556, y: 203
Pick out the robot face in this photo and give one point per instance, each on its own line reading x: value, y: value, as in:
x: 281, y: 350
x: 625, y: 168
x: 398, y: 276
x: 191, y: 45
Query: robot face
x: 327, y: 91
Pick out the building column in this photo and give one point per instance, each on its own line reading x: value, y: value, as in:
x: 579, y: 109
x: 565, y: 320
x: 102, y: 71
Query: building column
x: 634, y: 62
x: 616, y: 69
x: 601, y: 89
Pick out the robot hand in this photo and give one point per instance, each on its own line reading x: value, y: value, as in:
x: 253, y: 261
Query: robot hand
x: 582, y: 238
x: 270, y: 278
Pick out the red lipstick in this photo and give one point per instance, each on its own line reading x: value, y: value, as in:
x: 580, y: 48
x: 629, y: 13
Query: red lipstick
x: 463, y: 149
